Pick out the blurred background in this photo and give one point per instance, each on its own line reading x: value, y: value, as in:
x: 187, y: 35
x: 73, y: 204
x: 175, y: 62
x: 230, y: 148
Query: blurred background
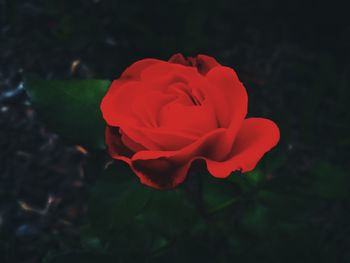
x: 293, y: 58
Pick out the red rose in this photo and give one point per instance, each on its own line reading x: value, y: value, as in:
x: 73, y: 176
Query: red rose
x: 161, y: 116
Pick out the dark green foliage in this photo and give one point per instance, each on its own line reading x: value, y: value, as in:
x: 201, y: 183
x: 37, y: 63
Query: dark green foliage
x: 117, y: 198
x: 246, y: 218
x: 132, y: 220
x: 71, y: 108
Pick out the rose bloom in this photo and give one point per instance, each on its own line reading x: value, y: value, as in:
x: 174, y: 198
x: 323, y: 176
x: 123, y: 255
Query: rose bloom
x: 163, y: 115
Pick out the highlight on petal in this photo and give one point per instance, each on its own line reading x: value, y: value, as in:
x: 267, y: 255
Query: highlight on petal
x: 256, y: 137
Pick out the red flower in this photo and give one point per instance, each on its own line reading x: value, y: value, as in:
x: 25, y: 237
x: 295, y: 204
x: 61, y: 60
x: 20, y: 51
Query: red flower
x: 161, y: 116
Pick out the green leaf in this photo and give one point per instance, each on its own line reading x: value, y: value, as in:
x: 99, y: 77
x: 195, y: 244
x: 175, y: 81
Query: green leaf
x: 169, y: 212
x: 284, y: 206
x: 89, y: 241
x: 133, y: 243
x: 255, y: 178
x: 121, y: 210
x: 71, y: 108
x: 117, y: 198
x: 249, y: 181
x: 218, y: 194
x: 256, y: 219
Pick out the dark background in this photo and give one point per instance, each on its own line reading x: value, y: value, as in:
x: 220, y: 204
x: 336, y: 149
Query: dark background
x: 293, y: 58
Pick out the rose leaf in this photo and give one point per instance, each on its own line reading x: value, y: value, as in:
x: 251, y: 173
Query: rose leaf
x: 71, y: 108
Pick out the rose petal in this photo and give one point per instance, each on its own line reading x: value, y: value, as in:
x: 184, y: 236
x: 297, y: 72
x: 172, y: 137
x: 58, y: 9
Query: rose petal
x: 133, y: 72
x: 228, y: 97
x: 115, y: 146
x: 160, y: 173
x: 197, y: 118
x: 167, y: 169
x: 108, y: 101
x: 254, y: 139
x: 159, y: 139
x: 116, y: 107
x: 132, y: 104
x: 148, y: 106
x: 130, y: 143
x: 179, y: 59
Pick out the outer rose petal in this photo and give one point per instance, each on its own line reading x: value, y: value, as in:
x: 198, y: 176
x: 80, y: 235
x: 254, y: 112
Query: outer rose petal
x: 117, y: 150
x: 160, y: 173
x: 108, y: 101
x: 116, y: 106
x: 179, y: 59
x: 254, y: 139
x: 115, y: 146
x: 167, y: 169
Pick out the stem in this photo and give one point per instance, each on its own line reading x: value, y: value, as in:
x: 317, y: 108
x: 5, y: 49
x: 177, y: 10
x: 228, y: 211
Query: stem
x: 194, y: 188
